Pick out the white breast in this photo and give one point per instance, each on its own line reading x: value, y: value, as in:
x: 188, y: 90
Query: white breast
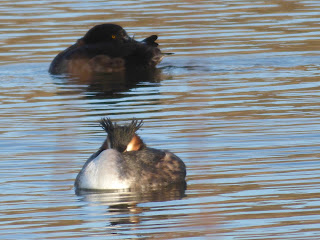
x: 103, y: 172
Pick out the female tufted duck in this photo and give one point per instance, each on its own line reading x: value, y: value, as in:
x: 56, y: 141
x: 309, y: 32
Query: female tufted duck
x: 107, y: 48
x: 124, y: 161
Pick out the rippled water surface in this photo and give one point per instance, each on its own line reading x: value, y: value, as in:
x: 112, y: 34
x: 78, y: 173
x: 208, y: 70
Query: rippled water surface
x: 238, y: 102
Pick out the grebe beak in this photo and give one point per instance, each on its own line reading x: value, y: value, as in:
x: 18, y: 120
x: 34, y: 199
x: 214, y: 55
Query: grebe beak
x: 109, y: 146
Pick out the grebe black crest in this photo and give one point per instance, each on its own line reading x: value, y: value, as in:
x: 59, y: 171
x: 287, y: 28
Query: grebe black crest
x: 122, y: 138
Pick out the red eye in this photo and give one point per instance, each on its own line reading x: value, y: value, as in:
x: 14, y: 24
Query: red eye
x: 113, y: 36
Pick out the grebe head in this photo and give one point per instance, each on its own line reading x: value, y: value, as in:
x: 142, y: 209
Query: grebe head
x: 105, y: 33
x: 122, y: 138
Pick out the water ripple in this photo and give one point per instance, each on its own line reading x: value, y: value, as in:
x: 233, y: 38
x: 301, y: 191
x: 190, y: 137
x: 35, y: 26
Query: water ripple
x: 238, y: 102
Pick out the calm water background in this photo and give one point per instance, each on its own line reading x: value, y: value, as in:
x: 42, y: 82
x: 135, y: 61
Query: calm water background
x: 238, y: 102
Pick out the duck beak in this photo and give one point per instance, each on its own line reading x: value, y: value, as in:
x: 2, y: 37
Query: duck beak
x: 126, y: 38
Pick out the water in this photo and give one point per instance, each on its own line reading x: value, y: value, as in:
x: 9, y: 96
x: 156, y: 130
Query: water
x: 238, y: 102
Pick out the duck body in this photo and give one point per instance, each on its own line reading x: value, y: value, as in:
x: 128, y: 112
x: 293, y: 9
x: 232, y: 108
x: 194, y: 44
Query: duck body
x: 107, y: 48
x: 132, y: 165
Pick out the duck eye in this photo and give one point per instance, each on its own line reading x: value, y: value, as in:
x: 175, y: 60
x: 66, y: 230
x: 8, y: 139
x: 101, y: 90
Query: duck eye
x: 113, y: 36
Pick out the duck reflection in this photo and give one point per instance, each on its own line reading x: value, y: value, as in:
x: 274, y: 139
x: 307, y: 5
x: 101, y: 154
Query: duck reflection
x: 123, y: 206
x: 109, y: 85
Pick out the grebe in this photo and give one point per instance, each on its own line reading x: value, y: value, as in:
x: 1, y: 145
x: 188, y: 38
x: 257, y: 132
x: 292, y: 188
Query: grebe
x: 124, y: 161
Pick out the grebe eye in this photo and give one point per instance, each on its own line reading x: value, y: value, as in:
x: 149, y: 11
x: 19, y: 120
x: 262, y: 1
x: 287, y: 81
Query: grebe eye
x: 113, y: 36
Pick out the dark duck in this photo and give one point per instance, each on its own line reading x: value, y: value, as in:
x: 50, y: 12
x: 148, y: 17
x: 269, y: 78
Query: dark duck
x: 107, y: 48
x: 125, y: 162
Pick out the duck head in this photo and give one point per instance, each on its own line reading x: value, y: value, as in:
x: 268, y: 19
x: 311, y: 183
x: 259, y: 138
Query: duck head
x: 122, y: 138
x: 105, y: 33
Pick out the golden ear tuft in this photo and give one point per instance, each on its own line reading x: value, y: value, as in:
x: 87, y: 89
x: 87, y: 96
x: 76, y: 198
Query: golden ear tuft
x: 135, y: 144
